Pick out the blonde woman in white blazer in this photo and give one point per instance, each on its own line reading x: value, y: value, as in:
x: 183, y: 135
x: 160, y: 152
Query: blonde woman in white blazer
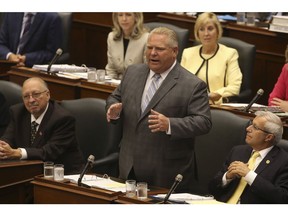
x: 126, y: 43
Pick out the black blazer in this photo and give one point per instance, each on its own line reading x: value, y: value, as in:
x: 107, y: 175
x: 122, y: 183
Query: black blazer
x: 55, y: 139
x: 270, y: 185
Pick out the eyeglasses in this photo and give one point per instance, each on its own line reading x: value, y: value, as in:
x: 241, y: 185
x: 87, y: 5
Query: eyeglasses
x: 257, y: 128
x: 34, y: 95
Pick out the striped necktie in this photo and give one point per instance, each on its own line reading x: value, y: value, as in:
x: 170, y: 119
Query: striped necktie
x: 242, y: 184
x: 154, y: 85
x: 24, y: 37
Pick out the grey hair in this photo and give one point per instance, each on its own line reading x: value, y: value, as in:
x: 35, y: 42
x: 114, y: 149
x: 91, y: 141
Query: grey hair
x: 273, y: 124
x: 172, y: 36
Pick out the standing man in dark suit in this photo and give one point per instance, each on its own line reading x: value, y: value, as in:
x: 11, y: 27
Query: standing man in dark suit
x: 267, y: 182
x: 157, y: 142
x: 55, y: 130
x: 36, y: 44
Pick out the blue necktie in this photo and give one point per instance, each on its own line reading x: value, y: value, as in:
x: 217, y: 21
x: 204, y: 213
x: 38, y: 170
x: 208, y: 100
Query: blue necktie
x: 151, y: 91
x: 24, y: 37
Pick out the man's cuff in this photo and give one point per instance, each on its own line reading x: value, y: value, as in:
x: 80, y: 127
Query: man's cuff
x: 23, y: 154
x: 8, y: 55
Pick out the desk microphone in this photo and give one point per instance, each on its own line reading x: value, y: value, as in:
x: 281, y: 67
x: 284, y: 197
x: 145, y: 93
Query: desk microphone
x: 256, y: 98
x: 56, y: 56
x: 178, y: 179
x: 89, y: 163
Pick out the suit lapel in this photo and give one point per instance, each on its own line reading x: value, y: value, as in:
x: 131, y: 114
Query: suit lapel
x: 18, y: 28
x: 267, y: 160
x: 142, y: 82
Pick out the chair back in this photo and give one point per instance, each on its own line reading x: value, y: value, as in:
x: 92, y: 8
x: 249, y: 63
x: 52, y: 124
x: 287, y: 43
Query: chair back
x: 283, y: 143
x: 11, y: 91
x: 66, y: 19
x: 247, y: 55
x: 211, y: 149
x: 94, y: 134
x: 182, y: 34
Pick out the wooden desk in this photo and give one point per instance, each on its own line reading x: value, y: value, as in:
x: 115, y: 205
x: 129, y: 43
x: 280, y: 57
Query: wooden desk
x: 4, y: 68
x: 122, y: 199
x: 48, y: 191
x: 95, y: 90
x: 15, y: 180
x: 62, y: 88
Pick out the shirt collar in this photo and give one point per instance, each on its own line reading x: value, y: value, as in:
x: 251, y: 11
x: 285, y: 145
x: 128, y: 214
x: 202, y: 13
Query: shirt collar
x: 39, y: 119
x: 164, y: 74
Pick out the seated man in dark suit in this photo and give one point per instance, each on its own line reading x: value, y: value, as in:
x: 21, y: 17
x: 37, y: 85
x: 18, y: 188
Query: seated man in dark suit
x: 264, y: 178
x: 54, y: 138
x: 4, y: 114
x: 30, y: 38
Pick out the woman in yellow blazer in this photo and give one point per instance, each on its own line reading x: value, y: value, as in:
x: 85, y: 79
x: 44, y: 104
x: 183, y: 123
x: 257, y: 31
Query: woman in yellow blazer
x: 214, y: 63
x: 126, y: 43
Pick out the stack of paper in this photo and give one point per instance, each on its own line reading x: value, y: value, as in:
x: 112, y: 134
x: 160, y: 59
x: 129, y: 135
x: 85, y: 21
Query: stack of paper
x: 61, y: 67
x: 189, y: 198
x: 95, y: 181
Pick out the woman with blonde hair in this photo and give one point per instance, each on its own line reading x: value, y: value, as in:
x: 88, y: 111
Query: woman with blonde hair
x: 214, y: 63
x: 126, y: 43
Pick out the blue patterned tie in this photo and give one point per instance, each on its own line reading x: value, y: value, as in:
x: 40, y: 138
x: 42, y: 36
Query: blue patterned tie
x: 24, y: 37
x: 151, y: 91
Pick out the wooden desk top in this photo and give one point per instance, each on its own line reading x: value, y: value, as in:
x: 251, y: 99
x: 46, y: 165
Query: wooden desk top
x: 15, y: 171
x: 50, y: 191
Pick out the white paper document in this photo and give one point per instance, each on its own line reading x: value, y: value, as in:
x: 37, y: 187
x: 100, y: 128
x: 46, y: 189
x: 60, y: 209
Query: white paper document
x: 185, y: 197
x: 95, y: 181
x: 61, y: 67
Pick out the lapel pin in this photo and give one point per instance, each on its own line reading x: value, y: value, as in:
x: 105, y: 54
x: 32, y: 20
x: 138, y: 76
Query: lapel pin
x: 267, y: 161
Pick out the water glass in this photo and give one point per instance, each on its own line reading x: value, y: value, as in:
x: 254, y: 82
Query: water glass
x: 91, y: 75
x: 48, y: 169
x: 101, y: 76
x: 130, y: 188
x: 142, y: 189
x: 59, y: 172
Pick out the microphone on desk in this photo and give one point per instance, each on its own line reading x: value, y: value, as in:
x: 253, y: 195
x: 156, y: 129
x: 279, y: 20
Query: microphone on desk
x: 89, y: 163
x: 58, y: 53
x: 178, y: 179
x: 260, y: 92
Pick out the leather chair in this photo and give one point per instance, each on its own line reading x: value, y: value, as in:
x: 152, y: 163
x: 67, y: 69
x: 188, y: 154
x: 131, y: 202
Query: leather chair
x: 211, y: 149
x: 11, y: 91
x: 95, y: 135
x: 66, y: 19
x: 283, y: 143
x: 182, y: 34
x: 247, y: 56
x: 12, y: 94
